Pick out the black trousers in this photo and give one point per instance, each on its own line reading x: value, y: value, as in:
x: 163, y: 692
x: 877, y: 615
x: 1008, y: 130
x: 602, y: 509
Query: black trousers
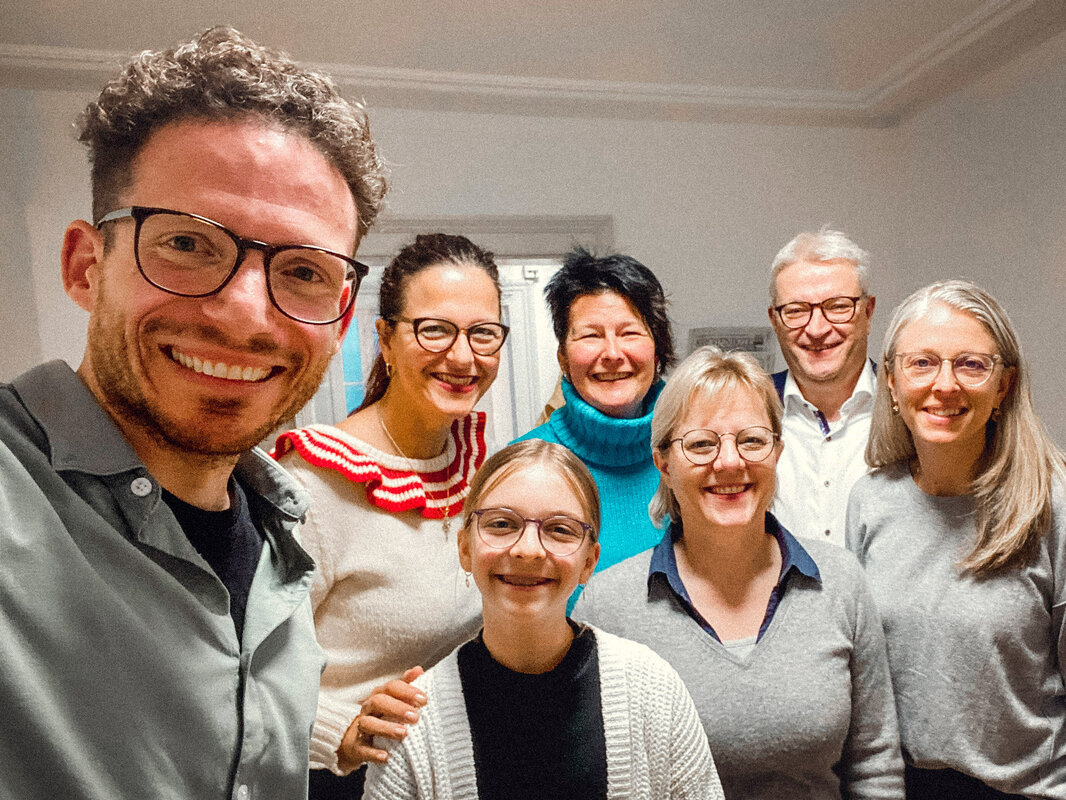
x: 947, y: 784
x: 324, y: 785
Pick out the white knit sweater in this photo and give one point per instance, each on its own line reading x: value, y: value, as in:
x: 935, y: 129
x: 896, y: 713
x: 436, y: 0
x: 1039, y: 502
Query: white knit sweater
x: 388, y: 591
x: 656, y: 747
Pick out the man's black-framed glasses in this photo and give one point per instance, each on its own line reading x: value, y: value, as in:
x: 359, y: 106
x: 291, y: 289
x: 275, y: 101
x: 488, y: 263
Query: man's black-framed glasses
x: 701, y: 446
x: 836, y: 310
x: 438, y: 335
x: 192, y: 256
x: 501, y: 528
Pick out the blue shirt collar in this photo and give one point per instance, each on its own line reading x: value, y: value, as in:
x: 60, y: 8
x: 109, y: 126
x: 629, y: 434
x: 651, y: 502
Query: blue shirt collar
x: 793, y: 554
x: 793, y: 557
x: 664, y: 561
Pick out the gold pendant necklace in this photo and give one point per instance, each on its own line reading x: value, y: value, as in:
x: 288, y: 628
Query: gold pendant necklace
x: 447, y: 521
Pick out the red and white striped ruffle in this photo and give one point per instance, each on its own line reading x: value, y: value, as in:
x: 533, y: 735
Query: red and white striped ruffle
x: 437, y: 494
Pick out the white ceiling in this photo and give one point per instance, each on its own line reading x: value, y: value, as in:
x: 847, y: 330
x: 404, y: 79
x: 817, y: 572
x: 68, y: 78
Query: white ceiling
x: 839, y: 62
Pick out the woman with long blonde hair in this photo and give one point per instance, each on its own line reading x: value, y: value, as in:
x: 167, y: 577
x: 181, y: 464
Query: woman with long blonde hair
x: 962, y: 531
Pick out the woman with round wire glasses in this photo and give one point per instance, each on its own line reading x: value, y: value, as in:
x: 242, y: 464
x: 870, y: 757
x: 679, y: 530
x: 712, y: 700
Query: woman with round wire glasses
x: 537, y: 706
x: 778, y: 642
x: 962, y: 530
x: 387, y: 485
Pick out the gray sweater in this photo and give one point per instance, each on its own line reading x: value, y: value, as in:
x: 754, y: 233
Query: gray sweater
x: 977, y: 665
x: 808, y: 713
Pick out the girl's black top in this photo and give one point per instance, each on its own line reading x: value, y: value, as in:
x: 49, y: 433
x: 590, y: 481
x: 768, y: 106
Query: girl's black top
x: 536, y: 736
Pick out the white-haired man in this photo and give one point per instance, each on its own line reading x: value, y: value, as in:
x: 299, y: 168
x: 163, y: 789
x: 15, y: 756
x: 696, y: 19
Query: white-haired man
x: 820, y: 309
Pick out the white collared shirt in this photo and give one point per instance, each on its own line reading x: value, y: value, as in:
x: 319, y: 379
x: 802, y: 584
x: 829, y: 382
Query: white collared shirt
x: 821, y: 461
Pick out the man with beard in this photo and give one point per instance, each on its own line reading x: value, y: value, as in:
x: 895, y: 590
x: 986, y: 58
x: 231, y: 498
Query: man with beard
x: 820, y: 308
x: 157, y: 634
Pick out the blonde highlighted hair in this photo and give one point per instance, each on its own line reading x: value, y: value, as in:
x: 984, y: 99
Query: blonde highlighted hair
x: 707, y: 372
x: 1013, y: 487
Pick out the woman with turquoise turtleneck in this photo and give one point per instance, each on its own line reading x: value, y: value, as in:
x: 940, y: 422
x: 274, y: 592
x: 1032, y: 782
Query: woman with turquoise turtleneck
x: 609, y: 315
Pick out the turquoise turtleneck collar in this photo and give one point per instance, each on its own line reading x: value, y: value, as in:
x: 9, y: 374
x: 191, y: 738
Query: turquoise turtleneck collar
x: 599, y: 439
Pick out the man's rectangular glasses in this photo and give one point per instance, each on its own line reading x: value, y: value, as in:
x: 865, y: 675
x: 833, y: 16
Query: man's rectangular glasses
x: 836, y: 310
x: 192, y: 256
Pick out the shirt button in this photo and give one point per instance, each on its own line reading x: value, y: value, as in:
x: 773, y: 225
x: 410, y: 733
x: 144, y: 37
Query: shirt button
x: 242, y: 792
x: 141, y: 487
x: 827, y: 531
x: 827, y: 483
x: 829, y: 438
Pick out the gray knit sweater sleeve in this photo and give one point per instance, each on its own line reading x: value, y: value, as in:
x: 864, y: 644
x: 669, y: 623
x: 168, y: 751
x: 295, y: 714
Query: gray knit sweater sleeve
x: 871, y: 761
x: 977, y: 664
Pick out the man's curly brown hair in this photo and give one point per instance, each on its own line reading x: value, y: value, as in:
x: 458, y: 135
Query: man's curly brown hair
x: 223, y: 75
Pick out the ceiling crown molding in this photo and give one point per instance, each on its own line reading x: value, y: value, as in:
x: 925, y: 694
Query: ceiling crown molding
x: 995, y: 32
x: 991, y: 35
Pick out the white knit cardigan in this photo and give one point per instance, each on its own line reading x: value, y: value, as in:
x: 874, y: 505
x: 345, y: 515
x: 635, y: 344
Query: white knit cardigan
x: 656, y: 746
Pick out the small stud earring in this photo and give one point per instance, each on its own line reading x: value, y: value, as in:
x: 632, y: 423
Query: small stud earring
x: 388, y: 370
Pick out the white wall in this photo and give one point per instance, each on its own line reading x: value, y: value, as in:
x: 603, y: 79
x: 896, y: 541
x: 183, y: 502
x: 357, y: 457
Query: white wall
x: 705, y: 206
x: 985, y: 199
x: 973, y: 186
x: 43, y: 185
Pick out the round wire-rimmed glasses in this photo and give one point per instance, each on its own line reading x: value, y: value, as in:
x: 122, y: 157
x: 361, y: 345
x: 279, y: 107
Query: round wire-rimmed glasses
x: 193, y: 256
x: 701, y: 446
x: 970, y: 369
x: 438, y: 335
x: 501, y: 528
x: 836, y: 310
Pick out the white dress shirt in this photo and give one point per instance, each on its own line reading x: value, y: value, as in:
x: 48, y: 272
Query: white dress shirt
x: 821, y: 461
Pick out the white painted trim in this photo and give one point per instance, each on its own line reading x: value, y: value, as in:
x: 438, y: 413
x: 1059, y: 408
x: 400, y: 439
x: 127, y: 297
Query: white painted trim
x: 951, y: 42
x: 521, y: 87
x: 507, y: 236
x: 883, y: 101
x: 88, y: 64
x: 72, y: 60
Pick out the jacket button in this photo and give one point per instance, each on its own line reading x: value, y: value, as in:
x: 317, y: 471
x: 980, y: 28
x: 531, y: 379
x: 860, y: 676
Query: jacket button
x: 141, y: 487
